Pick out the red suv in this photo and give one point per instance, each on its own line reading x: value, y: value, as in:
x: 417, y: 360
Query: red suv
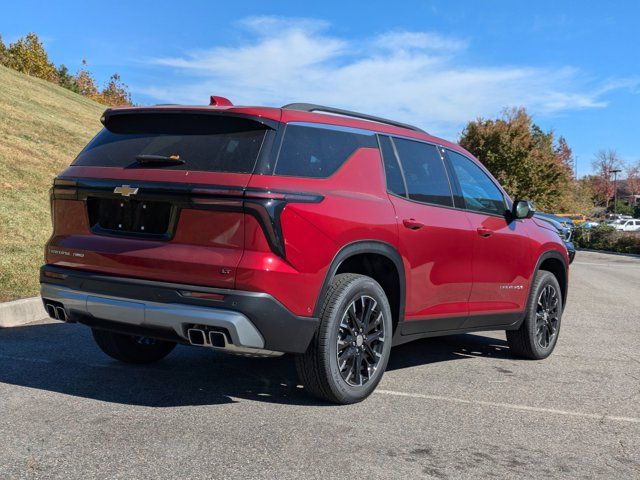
x: 309, y: 230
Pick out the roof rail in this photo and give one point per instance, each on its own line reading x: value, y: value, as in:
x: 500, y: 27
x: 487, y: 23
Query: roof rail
x: 310, y: 107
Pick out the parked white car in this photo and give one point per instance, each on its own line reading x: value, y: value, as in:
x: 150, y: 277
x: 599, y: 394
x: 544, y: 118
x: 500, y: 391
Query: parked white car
x: 632, y: 225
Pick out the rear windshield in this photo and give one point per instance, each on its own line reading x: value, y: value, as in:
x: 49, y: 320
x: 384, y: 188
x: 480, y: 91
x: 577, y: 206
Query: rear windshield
x: 213, y: 143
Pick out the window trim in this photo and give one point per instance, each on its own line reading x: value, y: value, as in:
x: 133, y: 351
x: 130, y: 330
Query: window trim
x: 466, y: 208
x: 399, y: 162
x: 384, y: 170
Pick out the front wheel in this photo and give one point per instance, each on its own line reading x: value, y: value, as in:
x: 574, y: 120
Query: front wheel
x: 537, y: 336
x: 131, y: 348
x: 350, y: 351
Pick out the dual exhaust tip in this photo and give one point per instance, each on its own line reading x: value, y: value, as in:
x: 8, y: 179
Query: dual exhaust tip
x: 56, y: 311
x: 204, y: 338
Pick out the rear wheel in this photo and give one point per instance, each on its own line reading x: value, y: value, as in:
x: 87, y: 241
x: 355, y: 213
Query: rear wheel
x: 350, y: 351
x: 537, y: 336
x: 131, y: 348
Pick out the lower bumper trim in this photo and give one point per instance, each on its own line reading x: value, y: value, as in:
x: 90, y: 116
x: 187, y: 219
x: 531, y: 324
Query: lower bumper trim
x: 161, y: 308
x: 156, y: 315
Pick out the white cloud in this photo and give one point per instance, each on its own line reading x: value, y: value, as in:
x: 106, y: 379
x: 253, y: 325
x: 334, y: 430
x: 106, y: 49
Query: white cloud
x: 399, y: 40
x: 416, y: 77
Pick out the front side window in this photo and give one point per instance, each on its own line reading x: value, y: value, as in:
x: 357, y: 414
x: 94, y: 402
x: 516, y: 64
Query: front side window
x: 479, y: 192
x: 424, y: 172
x: 310, y: 151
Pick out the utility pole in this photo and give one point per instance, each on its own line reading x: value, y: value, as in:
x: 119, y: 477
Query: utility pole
x: 615, y: 190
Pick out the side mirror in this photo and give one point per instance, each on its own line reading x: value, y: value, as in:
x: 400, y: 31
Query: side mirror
x: 522, y: 209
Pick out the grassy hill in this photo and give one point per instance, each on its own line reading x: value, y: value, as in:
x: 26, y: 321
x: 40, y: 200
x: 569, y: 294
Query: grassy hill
x: 42, y: 128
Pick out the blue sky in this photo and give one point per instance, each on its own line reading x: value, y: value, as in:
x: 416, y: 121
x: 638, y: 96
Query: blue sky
x: 574, y: 65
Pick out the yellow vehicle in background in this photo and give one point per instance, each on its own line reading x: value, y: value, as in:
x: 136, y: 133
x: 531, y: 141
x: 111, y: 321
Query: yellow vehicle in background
x: 576, y: 218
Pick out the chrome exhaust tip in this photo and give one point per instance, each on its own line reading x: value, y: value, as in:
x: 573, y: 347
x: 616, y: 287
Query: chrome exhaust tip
x: 217, y: 339
x: 197, y: 337
x: 61, y: 314
x: 51, y: 311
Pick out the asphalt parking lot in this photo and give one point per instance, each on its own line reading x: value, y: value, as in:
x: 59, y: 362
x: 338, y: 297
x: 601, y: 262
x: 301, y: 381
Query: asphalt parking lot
x: 452, y: 407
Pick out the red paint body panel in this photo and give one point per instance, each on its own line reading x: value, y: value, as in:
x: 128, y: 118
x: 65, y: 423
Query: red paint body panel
x: 354, y: 208
x: 438, y: 259
x: 456, y: 263
x: 502, y: 264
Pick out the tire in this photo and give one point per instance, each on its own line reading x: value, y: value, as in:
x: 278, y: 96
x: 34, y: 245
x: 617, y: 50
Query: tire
x: 526, y: 341
x: 130, y: 348
x: 363, y: 357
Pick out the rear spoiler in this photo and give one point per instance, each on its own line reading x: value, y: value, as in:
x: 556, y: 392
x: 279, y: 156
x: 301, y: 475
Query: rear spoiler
x: 110, y: 113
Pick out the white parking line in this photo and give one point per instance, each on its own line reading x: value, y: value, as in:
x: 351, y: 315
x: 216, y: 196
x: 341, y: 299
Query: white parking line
x: 613, y: 264
x: 511, y: 406
x: 25, y: 359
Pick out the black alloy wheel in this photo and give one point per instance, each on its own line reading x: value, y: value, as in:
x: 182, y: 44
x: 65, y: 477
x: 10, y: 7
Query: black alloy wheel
x: 361, y: 338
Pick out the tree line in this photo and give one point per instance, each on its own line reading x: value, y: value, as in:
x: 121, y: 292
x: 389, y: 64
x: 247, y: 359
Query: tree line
x: 538, y: 165
x: 27, y: 55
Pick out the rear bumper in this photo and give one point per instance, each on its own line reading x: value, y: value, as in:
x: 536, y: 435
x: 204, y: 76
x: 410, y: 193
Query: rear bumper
x: 251, y: 320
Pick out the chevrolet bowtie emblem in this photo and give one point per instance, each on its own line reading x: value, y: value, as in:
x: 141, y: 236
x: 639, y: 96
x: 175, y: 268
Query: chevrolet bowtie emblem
x: 125, y: 190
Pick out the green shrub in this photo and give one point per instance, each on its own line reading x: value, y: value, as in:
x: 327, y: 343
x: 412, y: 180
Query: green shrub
x: 607, y: 238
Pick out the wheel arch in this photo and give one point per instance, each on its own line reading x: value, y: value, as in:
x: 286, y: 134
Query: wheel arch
x: 378, y: 260
x: 553, y: 261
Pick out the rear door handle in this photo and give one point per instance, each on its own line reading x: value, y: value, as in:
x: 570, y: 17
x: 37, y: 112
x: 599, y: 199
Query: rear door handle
x: 412, y: 223
x: 484, y: 232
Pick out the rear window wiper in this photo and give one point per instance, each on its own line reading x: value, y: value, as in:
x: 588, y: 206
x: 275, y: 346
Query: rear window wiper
x: 159, y: 159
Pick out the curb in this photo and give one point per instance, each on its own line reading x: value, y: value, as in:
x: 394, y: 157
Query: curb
x: 21, y: 312
x: 607, y: 252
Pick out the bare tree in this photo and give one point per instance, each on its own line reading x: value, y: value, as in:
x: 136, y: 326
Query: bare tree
x: 632, y: 172
x: 604, y: 164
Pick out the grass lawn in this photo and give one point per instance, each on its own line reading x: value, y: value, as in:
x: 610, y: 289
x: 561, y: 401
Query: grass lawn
x: 42, y: 128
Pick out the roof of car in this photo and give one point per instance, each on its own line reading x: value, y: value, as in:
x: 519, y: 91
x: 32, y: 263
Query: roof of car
x: 311, y: 113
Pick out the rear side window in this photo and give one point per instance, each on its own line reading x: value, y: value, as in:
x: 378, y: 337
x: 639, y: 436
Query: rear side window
x: 395, y: 182
x: 204, y: 142
x: 479, y: 192
x: 310, y: 151
x: 424, y: 172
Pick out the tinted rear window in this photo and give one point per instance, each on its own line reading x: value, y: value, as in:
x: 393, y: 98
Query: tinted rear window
x: 205, y: 142
x: 310, y: 151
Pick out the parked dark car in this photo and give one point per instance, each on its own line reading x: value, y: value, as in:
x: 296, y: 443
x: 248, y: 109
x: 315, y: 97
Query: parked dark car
x: 564, y: 232
x: 564, y: 221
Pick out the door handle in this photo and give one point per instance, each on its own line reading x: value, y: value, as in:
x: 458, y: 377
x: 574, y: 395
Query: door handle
x: 412, y: 223
x: 484, y: 232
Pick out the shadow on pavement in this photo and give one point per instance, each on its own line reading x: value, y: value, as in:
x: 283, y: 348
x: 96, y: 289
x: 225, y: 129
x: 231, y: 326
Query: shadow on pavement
x: 63, y: 358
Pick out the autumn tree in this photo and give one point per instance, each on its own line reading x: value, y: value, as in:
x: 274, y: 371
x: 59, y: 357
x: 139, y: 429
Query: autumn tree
x: 578, y: 198
x: 527, y: 161
x: 85, y: 83
x: 27, y: 55
x: 116, y: 93
x: 3, y: 53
